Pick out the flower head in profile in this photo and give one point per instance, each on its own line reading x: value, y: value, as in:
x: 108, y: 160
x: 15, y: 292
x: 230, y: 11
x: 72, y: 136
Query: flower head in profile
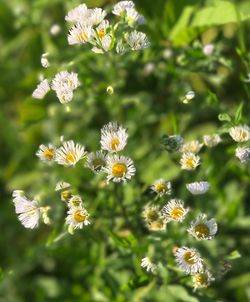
x: 78, y: 14
x: 65, y: 80
x: 161, y: 187
x: 76, y: 218
x: 46, y: 152
x: 96, y: 161
x: 69, y: 153
x: 119, y: 168
x: 96, y: 16
x: 154, y: 219
x: 197, y: 188
x: 189, y: 161
x: 120, y: 9
x: 240, y: 133
x: 79, y: 34
x: 138, y: 40
x: 148, y: 265
x: 191, y: 147
x: 174, y: 210
x: 189, y: 260
x: 211, y: 140
x: 113, y: 137
x: 243, y: 154
x: 202, y: 280
x: 202, y: 228
x: 41, y: 90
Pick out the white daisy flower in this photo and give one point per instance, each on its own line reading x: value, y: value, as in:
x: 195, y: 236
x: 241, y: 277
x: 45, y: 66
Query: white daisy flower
x: 138, y: 40
x: 46, y: 152
x: 174, y: 210
x: 211, y: 140
x: 64, y: 96
x: 41, y: 90
x: 113, y: 137
x: 96, y: 161
x: 240, y: 133
x: 79, y: 34
x: 70, y: 153
x: 78, y: 14
x: 189, y: 260
x: 203, y: 229
x: 197, y: 188
x: 65, y: 81
x: 120, y: 9
x: 75, y: 202
x: 148, y: 265
x: 161, y: 187
x: 243, y: 154
x: 191, y: 147
x: 119, y: 168
x: 77, y: 217
x: 202, y: 280
x: 61, y: 185
x: 189, y: 161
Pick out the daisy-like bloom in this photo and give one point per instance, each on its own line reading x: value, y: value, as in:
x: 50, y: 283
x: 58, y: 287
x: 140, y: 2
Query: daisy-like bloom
x: 96, y: 161
x: 240, y: 133
x: 191, y: 147
x: 76, y: 218
x: 113, y: 137
x: 148, y: 265
x: 151, y: 213
x: 79, y: 34
x: 119, y: 168
x: 203, y: 229
x: 64, y: 81
x: 41, y: 90
x: 46, y: 152
x: 197, y: 188
x: 202, y: 280
x: 189, y: 161
x: 161, y: 187
x: 138, y: 40
x: 174, y: 210
x: 132, y: 16
x: 70, y: 153
x: 189, y: 260
x: 211, y: 140
x: 96, y: 16
x: 105, y: 45
x: 120, y: 9
x: 243, y: 154
x: 78, y: 14
x: 61, y: 185
x: 75, y: 201
x: 64, y: 95
x: 28, y: 211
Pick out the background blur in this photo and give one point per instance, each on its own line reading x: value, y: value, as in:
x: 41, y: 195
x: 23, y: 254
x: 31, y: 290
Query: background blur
x: 102, y: 262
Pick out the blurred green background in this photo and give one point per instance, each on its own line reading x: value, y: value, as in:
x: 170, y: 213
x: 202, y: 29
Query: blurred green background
x: 102, y: 262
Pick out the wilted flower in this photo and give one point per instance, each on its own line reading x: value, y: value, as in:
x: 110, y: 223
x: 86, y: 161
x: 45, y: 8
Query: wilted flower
x: 77, y: 218
x: 41, y: 90
x: 95, y: 161
x: 243, y: 154
x: 189, y: 161
x: 211, y: 140
x: 240, y: 133
x: 203, y: 229
x: 202, y: 280
x: 70, y: 153
x: 171, y: 143
x: 192, y: 147
x: 148, y: 265
x: 46, y: 152
x: 161, y: 187
x: 197, y: 188
x: 138, y: 40
x: 174, y: 210
x: 189, y: 260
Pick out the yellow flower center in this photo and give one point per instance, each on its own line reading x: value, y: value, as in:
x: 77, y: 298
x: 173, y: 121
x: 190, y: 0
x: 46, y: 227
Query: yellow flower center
x: 82, y: 37
x: 49, y: 153
x: 177, y: 213
x: 201, y: 230
x: 71, y: 158
x: 119, y: 169
x: 160, y: 188
x: 79, y: 217
x: 101, y: 33
x: 190, y: 163
x: 200, y: 280
x: 66, y: 195
x: 115, y: 143
x: 189, y: 257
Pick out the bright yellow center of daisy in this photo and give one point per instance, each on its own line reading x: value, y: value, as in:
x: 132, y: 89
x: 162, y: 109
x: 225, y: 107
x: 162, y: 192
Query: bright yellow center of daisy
x: 70, y: 158
x: 82, y: 36
x: 189, y: 257
x: 119, y: 170
x: 201, y: 230
x: 49, y: 153
x: 190, y: 163
x: 200, y: 279
x: 101, y: 33
x: 160, y: 188
x: 177, y: 213
x: 115, y: 143
x: 79, y: 217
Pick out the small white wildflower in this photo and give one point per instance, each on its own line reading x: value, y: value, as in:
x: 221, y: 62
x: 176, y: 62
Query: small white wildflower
x: 132, y: 16
x: 79, y: 34
x: 189, y: 260
x: 138, y: 40
x: 202, y: 280
x: 61, y: 185
x: 153, y: 218
x: 55, y: 29
x: 161, y: 187
x: 211, y: 140
x: 44, y: 60
x: 119, y: 168
x: 243, y: 154
x: 202, y: 228
x: 208, y: 49
x: 197, y: 188
x: 120, y: 9
x: 240, y: 133
x: 75, y: 201
x: 148, y: 265
x: 192, y: 147
x: 174, y: 210
x: 78, y: 14
x: 189, y: 161
x: 96, y: 161
x: 64, y: 95
x: 96, y: 16
x: 46, y: 152
x: 70, y: 153
x: 65, y: 80
x: 76, y: 218
x: 113, y: 137
x: 41, y: 90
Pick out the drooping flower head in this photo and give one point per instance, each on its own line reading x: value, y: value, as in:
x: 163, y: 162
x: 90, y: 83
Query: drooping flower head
x: 189, y: 260
x: 70, y: 153
x: 197, y: 188
x: 202, y: 228
x: 174, y: 210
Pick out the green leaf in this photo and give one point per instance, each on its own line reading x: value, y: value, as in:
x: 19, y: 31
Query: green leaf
x: 234, y: 255
x: 238, y: 114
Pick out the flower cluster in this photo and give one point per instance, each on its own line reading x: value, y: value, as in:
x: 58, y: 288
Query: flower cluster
x: 241, y: 135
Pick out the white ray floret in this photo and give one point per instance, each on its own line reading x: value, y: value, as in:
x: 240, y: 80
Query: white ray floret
x: 211, y: 140
x: 113, y: 137
x: 96, y: 16
x: 69, y: 153
x: 202, y: 280
x: 46, y: 152
x: 41, y: 90
x: 138, y: 40
x: 64, y: 81
x: 174, y: 210
x: 189, y: 260
x: 120, y: 9
x: 197, y: 188
x: 189, y: 161
x: 192, y: 147
x: 79, y: 34
x: 148, y: 265
x: 161, y: 187
x: 119, y: 168
x: 202, y: 228
x: 240, y: 133
x: 96, y: 161
x: 64, y: 95
x: 78, y: 14
x: 77, y: 217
